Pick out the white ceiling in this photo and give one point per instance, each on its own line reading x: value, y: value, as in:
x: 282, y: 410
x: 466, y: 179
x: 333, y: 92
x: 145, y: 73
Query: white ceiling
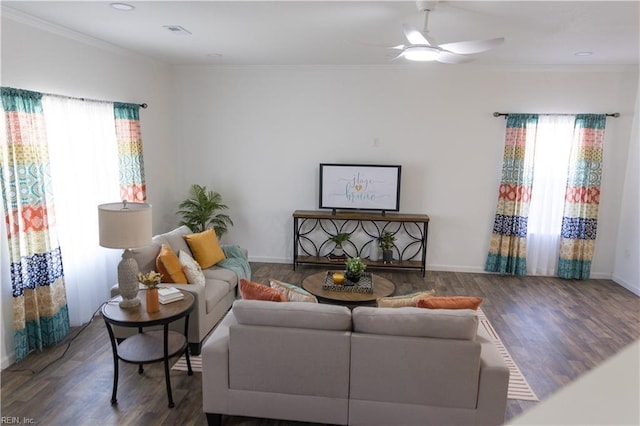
x: 338, y: 32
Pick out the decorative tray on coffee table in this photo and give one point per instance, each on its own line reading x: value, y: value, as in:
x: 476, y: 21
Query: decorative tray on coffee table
x: 364, y: 285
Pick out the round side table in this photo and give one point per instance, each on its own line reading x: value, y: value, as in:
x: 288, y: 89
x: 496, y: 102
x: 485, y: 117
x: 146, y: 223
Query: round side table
x: 148, y: 346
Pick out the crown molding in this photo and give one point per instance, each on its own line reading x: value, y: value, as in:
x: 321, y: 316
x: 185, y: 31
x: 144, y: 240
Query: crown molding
x: 435, y: 67
x: 26, y: 19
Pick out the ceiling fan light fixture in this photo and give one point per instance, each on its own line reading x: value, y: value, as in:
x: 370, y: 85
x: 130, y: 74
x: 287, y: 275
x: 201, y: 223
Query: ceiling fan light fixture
x: 420, y: 53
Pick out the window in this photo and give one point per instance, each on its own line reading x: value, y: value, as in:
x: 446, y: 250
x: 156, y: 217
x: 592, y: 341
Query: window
x: 547, y: 212
x: 552, y: 149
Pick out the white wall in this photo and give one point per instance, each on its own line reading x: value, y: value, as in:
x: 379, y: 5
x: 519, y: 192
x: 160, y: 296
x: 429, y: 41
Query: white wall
x: 627, y: 264
x: 256, y: 135
x: 42, y: 61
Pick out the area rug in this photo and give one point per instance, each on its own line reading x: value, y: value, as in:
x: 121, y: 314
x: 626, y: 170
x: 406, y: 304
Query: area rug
x: 518, y: 386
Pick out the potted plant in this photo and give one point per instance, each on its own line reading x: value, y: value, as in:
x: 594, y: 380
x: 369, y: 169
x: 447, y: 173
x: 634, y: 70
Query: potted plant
x: 386, y: 241
x: 199, y: 211
x: 355, y: 267
x: 339, y: 239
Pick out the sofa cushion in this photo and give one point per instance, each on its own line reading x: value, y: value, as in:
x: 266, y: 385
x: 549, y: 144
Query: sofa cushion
x: 222, y: 274
x: 453, y: 302
x: 214, y: 291
x: 416, y: 322
x: 146, y: 257
x: 255, y: 291
x: 174, y: 239
x: 169, y: 266
x: 191, y: 269
x: 205, y: 248
x: 293, y: 293
x: 293, y: 314
x: 403, y: 301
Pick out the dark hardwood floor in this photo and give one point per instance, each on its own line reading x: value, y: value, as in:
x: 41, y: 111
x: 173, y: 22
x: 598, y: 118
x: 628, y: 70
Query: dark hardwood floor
x: 555, y: 330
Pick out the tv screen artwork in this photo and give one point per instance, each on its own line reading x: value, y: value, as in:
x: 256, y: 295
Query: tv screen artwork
x: 363, y: 187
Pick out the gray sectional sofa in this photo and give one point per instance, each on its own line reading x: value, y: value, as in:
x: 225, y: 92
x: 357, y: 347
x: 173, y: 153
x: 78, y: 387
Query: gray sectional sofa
x: 212, y: 301
x: 373, y: 366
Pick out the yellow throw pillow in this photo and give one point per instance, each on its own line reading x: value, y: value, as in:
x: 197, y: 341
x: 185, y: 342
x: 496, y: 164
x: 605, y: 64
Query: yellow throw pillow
x: 403, y: 301
x: 205, y: 248
x: 169, y: 266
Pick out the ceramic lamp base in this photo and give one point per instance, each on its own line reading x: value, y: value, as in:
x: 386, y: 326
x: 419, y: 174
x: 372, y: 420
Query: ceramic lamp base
x: 128, y: 281
x: 129, y: 303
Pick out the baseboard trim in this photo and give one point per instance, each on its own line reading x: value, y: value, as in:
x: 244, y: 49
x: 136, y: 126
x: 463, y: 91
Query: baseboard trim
x: 622, y: 282
x: 266, y: 259
x: 466, y: 269
x: 456, y: 268
x: 8, y: 360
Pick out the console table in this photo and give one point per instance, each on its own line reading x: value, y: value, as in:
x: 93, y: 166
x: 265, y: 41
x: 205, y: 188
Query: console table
x: 312, y: 232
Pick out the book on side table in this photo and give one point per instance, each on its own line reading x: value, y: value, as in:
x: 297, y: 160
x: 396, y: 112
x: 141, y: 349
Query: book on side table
x: 169, y: 294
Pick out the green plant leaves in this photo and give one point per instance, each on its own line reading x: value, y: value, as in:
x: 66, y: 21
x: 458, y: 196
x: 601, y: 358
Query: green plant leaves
x: 199, y: 211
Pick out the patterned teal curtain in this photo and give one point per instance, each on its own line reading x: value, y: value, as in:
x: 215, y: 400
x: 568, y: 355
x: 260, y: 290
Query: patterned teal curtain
x: 40, y: 313
x: 582, y: 198
x: 132, y: 181
x: 508, y: 247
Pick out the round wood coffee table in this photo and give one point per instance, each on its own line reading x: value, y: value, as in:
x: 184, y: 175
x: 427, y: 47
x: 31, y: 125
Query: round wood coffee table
x: 382, y: 287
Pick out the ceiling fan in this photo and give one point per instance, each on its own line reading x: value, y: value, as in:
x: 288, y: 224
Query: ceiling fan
x: 422, y: 47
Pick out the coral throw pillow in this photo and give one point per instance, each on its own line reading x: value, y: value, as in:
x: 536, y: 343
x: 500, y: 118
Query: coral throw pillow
x: 205, y: 248
x: 255, y: 291
x: 453, y: 302
x: 169, y: 266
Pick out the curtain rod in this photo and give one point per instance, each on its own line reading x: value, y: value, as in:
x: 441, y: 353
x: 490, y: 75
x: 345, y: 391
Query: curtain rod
x: 506, y: 114
x: 142, y: 105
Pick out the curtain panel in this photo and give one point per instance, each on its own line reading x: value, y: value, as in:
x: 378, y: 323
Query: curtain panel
x: 81, y: 135
x: 39, y: 299
x: 508, y: 246
x: 582, y: 198
x: 132, y: 181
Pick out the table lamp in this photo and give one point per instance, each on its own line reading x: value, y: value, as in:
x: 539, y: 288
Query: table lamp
x: 125, y: 226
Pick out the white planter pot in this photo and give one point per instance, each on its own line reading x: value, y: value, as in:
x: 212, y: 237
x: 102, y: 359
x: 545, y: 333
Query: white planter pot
x: 374, y: 253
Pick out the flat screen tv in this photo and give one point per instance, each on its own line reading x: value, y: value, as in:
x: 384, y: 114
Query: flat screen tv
x: 360, y: 187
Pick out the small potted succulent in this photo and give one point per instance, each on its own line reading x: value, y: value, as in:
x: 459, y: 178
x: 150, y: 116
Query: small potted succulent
x: 386, y: 241
x: 339, y: 239
x: 354, y: 268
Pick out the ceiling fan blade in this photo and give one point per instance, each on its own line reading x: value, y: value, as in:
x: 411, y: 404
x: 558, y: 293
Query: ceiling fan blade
x: 414, y: 36
x: 452, y: 58
x: 430, y: 40
x: 469, y: 47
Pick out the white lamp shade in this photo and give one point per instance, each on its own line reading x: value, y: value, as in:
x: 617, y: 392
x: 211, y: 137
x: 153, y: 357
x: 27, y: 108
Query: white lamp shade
x: 124, y: 225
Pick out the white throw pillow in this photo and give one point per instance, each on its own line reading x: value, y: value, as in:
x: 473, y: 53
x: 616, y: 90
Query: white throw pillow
x: 191, y: 269
x: 292, y: 292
